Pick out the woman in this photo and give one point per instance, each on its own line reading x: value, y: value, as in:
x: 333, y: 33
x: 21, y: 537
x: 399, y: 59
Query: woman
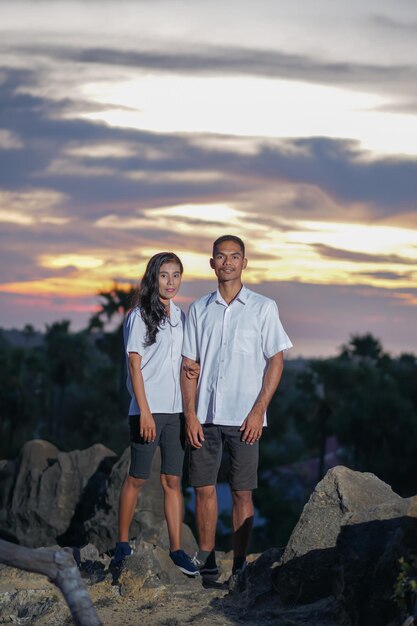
x: 153, y: 334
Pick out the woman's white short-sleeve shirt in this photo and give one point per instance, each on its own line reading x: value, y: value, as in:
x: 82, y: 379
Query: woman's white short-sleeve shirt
x: 161, y: 362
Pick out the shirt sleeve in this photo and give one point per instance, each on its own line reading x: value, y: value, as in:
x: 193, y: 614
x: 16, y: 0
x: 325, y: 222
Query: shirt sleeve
x: 274, y: 337
x: 190, y: 344
x: 135, y: 333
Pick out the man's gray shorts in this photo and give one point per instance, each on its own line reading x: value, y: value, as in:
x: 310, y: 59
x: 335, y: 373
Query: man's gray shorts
x: 169, y: 437
x: 205, y: 461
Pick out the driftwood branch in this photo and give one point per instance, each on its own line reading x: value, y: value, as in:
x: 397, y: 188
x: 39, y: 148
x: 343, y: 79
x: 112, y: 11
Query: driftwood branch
x: 59, y: 566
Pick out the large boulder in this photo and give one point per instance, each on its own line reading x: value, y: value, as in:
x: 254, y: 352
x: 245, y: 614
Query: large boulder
x: 347, y: 544
x: 41, y: 491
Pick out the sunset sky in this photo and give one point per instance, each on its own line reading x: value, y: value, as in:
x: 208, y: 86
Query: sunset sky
x: 127, y: 128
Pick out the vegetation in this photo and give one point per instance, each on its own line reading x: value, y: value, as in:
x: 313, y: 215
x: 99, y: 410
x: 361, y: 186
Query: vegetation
x: 364, y: 400
x: 69, y: 387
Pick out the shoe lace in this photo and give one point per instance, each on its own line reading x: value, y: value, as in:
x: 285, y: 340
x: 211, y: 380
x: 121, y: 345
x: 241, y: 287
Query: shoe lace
x: 195, y: 560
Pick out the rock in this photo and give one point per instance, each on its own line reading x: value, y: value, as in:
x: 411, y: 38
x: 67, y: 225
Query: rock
x: 188, y: 542
x: 255, y: 582
x: 47, y: 487
x: 88, y: 553
x: 347, y: 543
x: 149, y: 571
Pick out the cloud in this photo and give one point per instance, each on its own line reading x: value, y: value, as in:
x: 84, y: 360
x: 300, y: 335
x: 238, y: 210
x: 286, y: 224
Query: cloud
x: 321, y: 176
x: 213, y: 60
x: 395, y: 25
x: 360, y: 257
x: 388, y: 275
x: 9, y: 141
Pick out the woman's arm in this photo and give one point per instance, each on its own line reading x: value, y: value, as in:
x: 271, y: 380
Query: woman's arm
x: 147, y: 427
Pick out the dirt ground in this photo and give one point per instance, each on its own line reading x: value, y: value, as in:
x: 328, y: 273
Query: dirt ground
x: 27, y: 598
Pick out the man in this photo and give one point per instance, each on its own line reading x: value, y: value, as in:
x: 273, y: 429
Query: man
x: 237, y: 337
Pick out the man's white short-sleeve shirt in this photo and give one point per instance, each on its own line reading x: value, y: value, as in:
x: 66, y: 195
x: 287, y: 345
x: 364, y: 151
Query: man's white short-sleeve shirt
x: 233, y: 344
x: 161, y: 362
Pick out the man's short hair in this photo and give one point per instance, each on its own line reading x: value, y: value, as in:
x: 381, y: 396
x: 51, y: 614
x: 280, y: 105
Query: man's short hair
x: 224, y: 238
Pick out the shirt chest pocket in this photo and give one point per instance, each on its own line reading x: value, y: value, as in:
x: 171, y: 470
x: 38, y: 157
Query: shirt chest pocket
x: 245, y: 342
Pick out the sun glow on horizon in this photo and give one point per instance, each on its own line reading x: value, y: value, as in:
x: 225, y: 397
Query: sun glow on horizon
x: 79, y: 261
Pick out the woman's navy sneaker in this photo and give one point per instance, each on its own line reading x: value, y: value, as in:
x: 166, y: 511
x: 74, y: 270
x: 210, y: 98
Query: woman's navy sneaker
x: 121, y: 551
x: 184, y: 563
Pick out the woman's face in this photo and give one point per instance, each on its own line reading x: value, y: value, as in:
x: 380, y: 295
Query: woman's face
x: 169, y: 280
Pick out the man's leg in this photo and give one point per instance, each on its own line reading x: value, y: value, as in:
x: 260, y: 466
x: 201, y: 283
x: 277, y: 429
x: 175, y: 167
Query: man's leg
x: 204, y: 467
x: 243, y: 479
x: 242, y: 522
x: 206, y: 516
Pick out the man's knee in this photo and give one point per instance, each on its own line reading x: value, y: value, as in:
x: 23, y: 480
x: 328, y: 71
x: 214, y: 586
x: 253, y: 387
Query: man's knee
x: 205, y: 493
x: 242, y: 498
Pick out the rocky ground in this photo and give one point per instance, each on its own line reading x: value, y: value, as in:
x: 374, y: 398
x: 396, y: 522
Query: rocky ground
x: 339, y: 567
x: 150, y: 591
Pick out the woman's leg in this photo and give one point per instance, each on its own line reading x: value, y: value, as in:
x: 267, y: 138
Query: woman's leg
x: 127, y: 504
x: 173, y: 509
x: 141, y: 455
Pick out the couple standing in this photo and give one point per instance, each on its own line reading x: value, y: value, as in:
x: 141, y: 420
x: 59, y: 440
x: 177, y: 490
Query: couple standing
x: 221, y: 365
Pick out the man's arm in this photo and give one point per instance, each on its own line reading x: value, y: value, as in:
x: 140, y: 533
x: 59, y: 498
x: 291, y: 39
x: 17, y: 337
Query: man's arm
x: 147, y: 428
x: 193, y: 429
x: 253, y: 424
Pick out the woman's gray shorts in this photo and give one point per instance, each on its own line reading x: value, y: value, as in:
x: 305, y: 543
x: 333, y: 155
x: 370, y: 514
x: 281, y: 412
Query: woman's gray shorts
x: 169, y: 437
x: 205, y: 461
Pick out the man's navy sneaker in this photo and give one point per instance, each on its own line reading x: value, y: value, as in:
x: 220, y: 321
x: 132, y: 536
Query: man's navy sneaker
x: 207, y: 569
x: 184, y: 563
x: 121, y: 551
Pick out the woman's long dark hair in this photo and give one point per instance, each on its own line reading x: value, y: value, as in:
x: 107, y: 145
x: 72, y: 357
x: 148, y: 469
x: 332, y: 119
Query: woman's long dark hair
x: 147, y: 296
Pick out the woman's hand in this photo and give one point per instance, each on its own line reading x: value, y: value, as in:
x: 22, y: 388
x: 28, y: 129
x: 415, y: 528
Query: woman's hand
x: 192, y: 369
x: 147, y: 427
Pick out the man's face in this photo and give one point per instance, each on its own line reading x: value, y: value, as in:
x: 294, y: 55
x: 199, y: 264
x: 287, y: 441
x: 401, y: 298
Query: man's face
x: 228, y: 261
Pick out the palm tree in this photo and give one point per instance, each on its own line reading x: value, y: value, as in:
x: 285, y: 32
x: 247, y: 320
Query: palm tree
x: 115, y: 303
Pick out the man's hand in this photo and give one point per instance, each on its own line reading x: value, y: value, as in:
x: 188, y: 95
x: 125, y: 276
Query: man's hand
x: 194, y: 431
x: 147, y: 427
x: 191, y: 369
x: 252, y: 427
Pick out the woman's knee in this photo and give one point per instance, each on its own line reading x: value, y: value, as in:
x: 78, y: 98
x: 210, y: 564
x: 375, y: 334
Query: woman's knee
x: 135, y: 483
x: 169, y: 481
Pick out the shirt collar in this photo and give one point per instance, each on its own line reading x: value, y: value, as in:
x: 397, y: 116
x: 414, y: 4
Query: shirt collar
x: 242, y: 296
